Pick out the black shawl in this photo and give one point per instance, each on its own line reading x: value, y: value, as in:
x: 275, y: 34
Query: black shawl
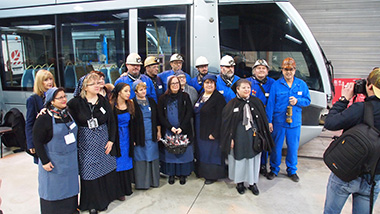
x: 233, y: 114
x: 139, y: 134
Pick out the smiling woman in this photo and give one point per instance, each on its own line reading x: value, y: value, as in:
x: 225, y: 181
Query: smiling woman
x: 54, y: 135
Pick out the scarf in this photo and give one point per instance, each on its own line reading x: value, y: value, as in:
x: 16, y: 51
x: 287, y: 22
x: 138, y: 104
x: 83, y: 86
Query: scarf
x: 227, y: 80
x: 154, y: 80
x: 261, y: 81
x: 247, y: 115
x: 142, y: 102
x: 134, y: 78
x: 61, y: 113
x: 200, y: 78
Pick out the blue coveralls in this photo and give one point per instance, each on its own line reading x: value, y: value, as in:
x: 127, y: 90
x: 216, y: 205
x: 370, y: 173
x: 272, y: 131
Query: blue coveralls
x: 194, y: 82
x: 257, y: 92
x: 226, y: 91
x: 164, y: 77
x: 276, y: 113
x: 150, y: 91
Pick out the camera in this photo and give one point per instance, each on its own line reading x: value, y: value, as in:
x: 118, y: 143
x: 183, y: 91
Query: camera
x: 360, y: 87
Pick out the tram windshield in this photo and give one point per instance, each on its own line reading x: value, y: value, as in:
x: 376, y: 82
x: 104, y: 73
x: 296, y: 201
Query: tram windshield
x: 263, y: 31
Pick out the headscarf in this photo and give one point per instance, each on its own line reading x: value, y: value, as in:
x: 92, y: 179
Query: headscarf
x: 78, y: 88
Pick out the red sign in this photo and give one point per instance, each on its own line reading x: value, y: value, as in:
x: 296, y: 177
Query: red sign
x: 339, y: 83
x: 16, y: 58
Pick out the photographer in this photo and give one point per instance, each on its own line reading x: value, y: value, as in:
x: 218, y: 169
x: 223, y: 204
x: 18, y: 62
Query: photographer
x: 341, y: 117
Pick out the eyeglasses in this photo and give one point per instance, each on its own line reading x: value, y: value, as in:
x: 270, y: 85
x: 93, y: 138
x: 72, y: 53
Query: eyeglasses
x: 288, y: 69
x: 96, y: 83
x: 174, y: 83
x: 60, y: 98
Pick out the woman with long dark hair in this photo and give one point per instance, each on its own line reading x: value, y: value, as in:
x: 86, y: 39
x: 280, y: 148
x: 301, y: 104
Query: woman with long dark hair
x: 123, y: 112
x: 175, y: 112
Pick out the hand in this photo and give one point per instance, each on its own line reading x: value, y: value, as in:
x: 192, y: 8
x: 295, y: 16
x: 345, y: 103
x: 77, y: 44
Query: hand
x: 179, y: 131
x: 348, y: 90
x: 158, y: 135
x: 48, y: 167
x: 232, y: 143
x: 211, y: 137
x: 42, y: 112
x: 32, y: 151
x: 174, y: 130
x: 292, y: 100
x: 108, y: 147
x: 270, y: 127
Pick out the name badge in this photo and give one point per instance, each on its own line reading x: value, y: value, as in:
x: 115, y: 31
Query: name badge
x: 197, y: 105
x: 149, y: 108
x: 69, y: 138
x: 92, y: 123
x: 236, y: 109
x: 102, y: 110
x: 160, y: 86
x: 72, y: 126
x: 266, y: 94
x: 222, y: 92
x: 299, y: 93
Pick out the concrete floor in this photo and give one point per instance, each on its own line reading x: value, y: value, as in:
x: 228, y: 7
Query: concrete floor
x: 281, y: 195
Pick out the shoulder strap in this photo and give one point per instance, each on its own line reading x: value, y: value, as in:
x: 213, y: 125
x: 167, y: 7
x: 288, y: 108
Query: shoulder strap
x: 368, y: 114
x: 262, y: 89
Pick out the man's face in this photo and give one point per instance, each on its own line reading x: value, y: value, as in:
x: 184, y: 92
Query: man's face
x: 134, y: 69
x: 289, y: 73
x: 227, y: 70
x: 260, y: 72
x: 203, y: 69
x: 176, y: 65
x: 152, y: 70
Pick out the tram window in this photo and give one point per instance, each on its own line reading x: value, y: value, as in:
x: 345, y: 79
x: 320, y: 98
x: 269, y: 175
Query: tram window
x: 93, y: 41
x: 163, y: 32
x: 263, y: 31
x: 27, y: 46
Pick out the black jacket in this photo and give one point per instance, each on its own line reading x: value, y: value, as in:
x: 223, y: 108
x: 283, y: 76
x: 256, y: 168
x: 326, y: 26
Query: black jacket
x: 211, y: 116
x: 233, y: 114
x: 341, y: 117
x: 185, y: 113
x: 138, y: 122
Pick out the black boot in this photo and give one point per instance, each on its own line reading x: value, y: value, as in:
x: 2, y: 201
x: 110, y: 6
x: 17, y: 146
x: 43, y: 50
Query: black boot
x: 254, y: 189
x: 171, y: 180
x: 240, y: 188
x: 263, y: 170
x: 182, y: 180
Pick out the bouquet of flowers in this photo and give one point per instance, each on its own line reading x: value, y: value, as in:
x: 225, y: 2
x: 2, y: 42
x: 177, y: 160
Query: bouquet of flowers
x: 176, y: 144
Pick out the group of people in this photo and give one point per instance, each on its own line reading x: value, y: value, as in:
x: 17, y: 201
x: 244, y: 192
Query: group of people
x: 110, y: 135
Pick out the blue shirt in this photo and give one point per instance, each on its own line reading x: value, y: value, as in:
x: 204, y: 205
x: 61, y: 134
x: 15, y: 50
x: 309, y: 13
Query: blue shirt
x: 225, y: 90
x: 164, y: 77
x: 279, y: 100
x: 194, y: 82
x: 150, y: 91
x: 256, y: 90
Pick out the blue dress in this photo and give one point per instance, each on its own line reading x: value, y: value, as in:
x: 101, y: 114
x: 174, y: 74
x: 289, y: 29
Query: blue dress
x: 181, y: 164
x: 124, y: 162
x: 208, y: 153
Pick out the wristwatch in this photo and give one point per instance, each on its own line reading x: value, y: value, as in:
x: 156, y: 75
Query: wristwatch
x: 343, y: 99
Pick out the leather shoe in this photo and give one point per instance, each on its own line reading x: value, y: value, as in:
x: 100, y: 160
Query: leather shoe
x: 209, y: 181
x: 171, y: 180
x: 294, y: 177
x: 240, y: 188
x: 263, y: 170
x: 271, y: 175
x: 182, y: 180
x: 254, y: 189
x: 122, y: 198
x: 93, y: 211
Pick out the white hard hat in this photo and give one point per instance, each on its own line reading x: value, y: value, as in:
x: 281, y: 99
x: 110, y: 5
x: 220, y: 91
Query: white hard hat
x: 227, y: 61
x: 176, y: 57
x: 261, y: 62
x: 201, y: 61
x: 133, y: 59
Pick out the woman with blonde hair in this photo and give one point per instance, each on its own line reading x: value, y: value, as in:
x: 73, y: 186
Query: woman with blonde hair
x: 44, y: 80
x: 96, y: 134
